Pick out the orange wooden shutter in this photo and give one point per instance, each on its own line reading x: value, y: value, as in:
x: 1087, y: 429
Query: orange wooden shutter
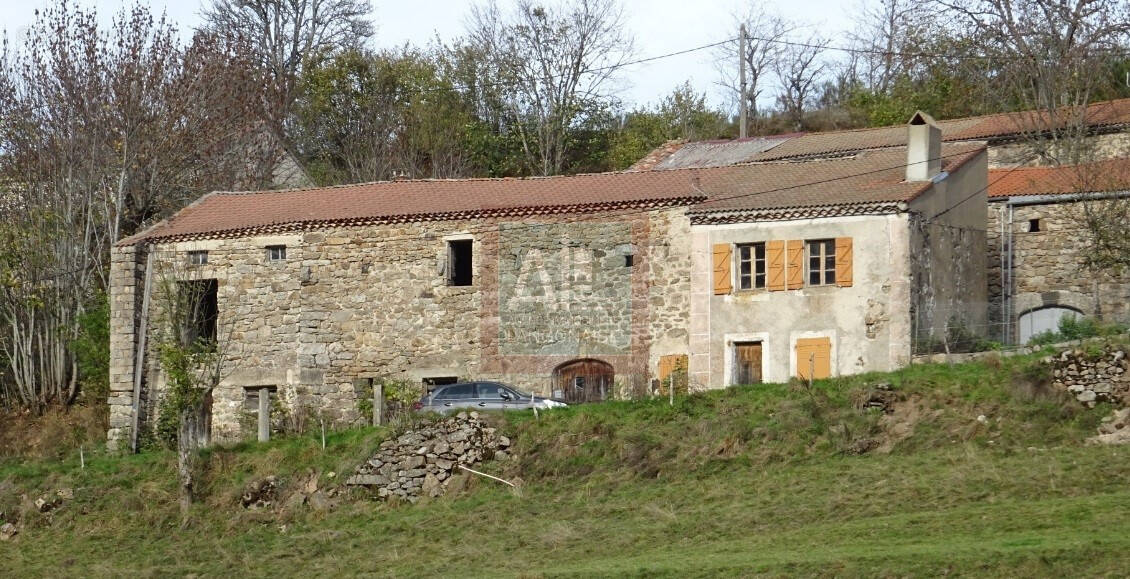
x: 775, y: 265
x: 795, y: 250
x: 722, y: 253
x: 843, y: 261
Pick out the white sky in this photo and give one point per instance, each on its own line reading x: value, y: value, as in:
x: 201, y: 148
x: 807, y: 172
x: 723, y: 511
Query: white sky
x: 659, y: 26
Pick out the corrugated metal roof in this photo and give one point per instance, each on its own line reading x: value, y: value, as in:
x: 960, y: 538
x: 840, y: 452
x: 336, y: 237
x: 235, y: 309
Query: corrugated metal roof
x: 719, y: 153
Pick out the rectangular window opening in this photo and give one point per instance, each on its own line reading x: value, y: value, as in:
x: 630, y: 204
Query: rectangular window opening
x: 822, y: 262
x: 459, y: 262
x: 629, y: 260
x: 251, y: 396
x: 1034, y: 226
x: 751, y: 266
x: 431, y: 382
x: 198, y: 257
x: 199, y: 311
x: 276, y: 253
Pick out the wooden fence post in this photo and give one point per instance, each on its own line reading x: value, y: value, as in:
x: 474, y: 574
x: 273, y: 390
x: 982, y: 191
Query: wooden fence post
x: 378, y: 403
x: 264, y: 414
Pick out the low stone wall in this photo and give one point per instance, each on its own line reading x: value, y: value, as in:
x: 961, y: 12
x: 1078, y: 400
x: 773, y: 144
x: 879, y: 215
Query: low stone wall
x: 1091, y: 376
x: 423, y: 462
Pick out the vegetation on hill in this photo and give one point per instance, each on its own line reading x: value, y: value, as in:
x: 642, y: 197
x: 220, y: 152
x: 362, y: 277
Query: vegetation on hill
x: 978, y: 469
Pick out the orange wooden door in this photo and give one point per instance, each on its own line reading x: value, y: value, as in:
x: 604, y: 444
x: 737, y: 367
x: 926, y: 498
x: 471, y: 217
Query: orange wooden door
x: 813, y: 356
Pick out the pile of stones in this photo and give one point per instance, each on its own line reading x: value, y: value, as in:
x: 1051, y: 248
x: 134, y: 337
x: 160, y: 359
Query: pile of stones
x: 424, y: 462
x: 1093, y: 378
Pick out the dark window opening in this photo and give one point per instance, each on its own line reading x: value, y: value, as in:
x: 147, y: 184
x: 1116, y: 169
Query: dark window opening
x: 197, y: 258
x: 251, y: 396
x: 751, y: 266
x: 199, y: 311
x: 822, y: 262
x: 276, y: 252
x: 1034, y: 225
x: 431, y: 383
x: 459, y: 262
x: 629, y: 260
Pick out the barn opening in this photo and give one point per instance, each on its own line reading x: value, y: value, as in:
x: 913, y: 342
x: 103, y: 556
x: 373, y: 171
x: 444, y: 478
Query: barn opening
x: 199, y: 302
x: 585, y: 380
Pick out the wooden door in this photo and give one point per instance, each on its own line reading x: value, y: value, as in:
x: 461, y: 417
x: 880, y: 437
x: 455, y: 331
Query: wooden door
x: 813, y: 355
x: 584, y: 381
x: 747, y: 363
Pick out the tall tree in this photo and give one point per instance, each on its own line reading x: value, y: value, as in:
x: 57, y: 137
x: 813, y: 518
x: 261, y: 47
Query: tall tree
x: 286, y: 34
x: 555, y: 66
x: 799, y: 71
x: 100, y: 132
x: 365, y: 116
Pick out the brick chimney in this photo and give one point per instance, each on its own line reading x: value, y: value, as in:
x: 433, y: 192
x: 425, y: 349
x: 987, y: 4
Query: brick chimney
x: 923, y: 148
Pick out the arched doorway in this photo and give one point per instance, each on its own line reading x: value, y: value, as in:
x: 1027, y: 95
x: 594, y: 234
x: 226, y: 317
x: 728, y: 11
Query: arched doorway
x: 1044, y: 319
x: 584, y: 380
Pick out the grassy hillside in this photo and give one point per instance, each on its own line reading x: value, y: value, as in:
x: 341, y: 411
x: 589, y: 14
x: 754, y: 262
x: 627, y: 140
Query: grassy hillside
x: 765, y: 480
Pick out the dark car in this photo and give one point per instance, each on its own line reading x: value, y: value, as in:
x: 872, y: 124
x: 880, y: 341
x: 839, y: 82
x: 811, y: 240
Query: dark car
x: 481, y: 396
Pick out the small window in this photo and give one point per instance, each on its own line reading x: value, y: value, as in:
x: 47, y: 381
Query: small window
x: 276, y: 253
x: 459, y: 262
x: 822, y: 262
x: 456, y: 392
x: 251, y: 396
x: 751, y: 266
x: 629, y: 260
x: 1034, y: 226
x: 197, y: 258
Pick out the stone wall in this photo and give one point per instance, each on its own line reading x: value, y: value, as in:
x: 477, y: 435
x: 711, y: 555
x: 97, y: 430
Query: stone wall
x: 1047, y: 266
x: 1091, y: 377
x: 354, y: 303
x: 1108, y: 146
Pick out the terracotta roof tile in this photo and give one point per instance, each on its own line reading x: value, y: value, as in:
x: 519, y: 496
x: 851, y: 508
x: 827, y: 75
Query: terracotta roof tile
x: 1098, y: 177
x: 863, y: 178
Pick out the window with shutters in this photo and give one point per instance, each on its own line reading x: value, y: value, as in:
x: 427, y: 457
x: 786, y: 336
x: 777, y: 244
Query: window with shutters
x: 822, y: 262
x: 751, y: 266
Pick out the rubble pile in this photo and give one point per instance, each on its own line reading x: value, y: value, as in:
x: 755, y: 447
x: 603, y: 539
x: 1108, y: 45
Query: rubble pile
x: 423, y: 462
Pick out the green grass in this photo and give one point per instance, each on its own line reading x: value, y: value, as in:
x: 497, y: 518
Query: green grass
x: 748, y: 481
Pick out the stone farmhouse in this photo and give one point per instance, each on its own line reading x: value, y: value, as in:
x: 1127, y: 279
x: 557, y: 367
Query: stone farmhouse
x: 583, y: 287
x: 1037, y: 248
x: 1033, y: 231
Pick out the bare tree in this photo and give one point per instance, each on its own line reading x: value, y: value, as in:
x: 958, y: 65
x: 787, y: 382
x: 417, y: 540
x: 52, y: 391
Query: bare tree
x: 555, y: 65
x: 765, y: 33
x: 288, y: 33
x: 799, y: 71
x: 890, y: 39
x: 100, y: 132
x: 1054, y: 54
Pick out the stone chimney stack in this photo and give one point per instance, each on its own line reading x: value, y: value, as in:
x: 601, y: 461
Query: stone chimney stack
x: 923, y: 148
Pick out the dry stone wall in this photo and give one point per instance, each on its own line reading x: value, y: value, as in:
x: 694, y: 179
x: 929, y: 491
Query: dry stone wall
x: 1093, y: 377
x: 423, y: 462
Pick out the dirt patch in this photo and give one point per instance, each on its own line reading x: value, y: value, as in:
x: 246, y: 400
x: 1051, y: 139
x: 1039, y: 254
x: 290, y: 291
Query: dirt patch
x: 898, y: 423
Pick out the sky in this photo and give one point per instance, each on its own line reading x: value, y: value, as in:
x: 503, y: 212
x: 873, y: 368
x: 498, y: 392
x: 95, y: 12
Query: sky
x: 659, y: 27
